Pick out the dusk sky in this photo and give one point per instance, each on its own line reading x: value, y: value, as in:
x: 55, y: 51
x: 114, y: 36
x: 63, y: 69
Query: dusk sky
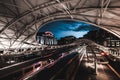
x: 64, y: 28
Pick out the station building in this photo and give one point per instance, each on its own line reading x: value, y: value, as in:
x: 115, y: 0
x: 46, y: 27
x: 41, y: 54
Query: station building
x: 46, y: 38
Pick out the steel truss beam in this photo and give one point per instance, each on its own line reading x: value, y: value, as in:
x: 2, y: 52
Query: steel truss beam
x: 27, y: 13
x: 86, y: 17
x: 60, y: 14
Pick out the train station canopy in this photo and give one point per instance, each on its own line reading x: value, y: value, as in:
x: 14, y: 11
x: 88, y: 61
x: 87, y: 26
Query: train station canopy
x: 21, y: 19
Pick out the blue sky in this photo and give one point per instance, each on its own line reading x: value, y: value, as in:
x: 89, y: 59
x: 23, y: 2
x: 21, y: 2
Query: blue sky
x: 64, y: 28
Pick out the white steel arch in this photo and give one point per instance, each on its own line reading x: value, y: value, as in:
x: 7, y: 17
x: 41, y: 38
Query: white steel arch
x: 21, y: 19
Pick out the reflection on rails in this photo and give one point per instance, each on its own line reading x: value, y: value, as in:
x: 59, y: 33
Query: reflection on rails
x: 53, y: 67
x: 84, y: 61
x: 16, y: 71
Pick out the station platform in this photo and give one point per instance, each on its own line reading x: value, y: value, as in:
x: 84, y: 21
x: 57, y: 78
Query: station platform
x: 103, y: 73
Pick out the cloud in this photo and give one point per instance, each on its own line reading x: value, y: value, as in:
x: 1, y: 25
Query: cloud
x: 76, y: 26
x: 66, y: 28
x: 71, y: 33
x: 86, y: 27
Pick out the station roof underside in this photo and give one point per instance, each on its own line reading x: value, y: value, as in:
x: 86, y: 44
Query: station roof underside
x: 21, y: 19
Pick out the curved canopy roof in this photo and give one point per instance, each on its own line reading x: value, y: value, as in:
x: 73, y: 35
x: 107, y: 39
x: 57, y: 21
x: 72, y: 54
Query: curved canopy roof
x: 21, y: 19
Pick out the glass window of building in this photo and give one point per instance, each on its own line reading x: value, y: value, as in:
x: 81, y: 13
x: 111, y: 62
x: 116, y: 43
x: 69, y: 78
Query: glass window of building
x: 117, y: 43
x: 112, y: 43
x: 108, y: 43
